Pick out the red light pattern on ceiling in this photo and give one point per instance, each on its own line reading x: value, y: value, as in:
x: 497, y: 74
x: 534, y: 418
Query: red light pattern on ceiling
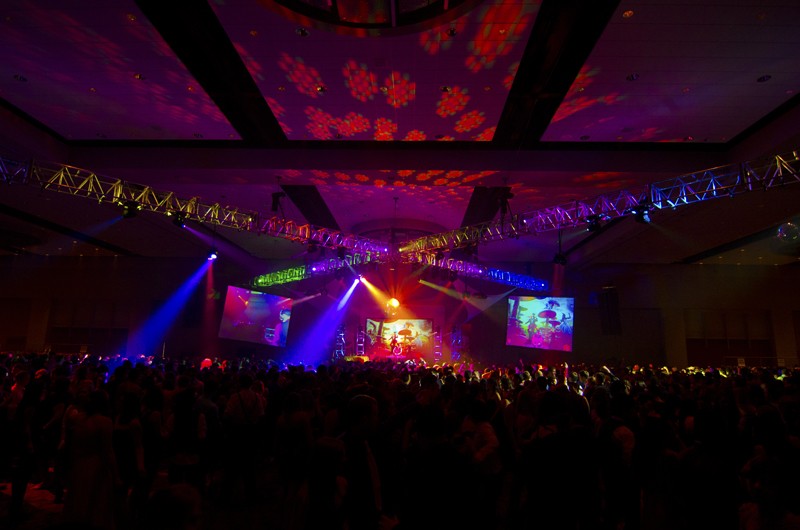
x: 512, y: 74
x: 469, y: 121
x: 436, y: 40
x: 360, y: 12
x: 319, y: 123
x: 486, y: 135
x: 605, y: 180
x: 306, y: 79
x: 400, y: 89
x: 575, y: 100
x: 352, y: 124
x: 362, y: 84
x: 385, y: 129
x: 452, y: 102
x: 499, y: 24
x: 415, y: 136
x: 345, y: 74
x: 113, y: 66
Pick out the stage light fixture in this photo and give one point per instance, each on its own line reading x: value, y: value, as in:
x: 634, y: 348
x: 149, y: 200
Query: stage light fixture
x: 394, y: 302
x: 594, y: 223
x: 560, y: 259
x: 179, y: 220
x: 641, y: 213
x: 212, y: 255
x: 130, y: 209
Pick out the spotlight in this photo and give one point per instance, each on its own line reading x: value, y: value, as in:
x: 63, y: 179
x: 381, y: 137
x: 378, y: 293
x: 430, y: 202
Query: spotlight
x: 179, y: 220
x: 560, y: 259
x: 593, y: 223
x: 641, y: 213
x: 212, y: 255
x: 394, y: 302
x: 130, y: 208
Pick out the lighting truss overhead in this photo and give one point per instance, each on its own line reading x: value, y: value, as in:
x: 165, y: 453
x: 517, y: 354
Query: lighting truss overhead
x: 641, y: 212
x: 179, y: 219
x: 130, y: 209
x: 594, y: 222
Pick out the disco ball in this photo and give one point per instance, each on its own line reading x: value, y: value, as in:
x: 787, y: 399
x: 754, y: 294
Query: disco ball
x: 788, y: 232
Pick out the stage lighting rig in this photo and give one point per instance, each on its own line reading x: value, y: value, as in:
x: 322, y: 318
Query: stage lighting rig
x: 641, y: 212
x: 594, y: 222
x: 178, y: 219
x: 130, y: 209
x: 213, y: 254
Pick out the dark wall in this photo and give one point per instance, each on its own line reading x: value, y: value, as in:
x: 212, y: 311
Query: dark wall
x: 673, y: 314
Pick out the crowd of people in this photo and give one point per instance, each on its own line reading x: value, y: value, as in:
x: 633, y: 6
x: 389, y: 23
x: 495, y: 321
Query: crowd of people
x: 152, y: 443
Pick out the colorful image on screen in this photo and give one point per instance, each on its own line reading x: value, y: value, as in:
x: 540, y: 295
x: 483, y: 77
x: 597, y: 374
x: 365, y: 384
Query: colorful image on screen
x: 405, y: 338
x: 544, y: 323
x: 252, y: 316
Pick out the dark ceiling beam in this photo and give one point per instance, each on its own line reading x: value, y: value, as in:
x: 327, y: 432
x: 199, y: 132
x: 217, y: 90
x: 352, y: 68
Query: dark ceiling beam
x: 665, y: 159
x: 59, y: 229
x: 563, y: 36
x: 484, y: 203
x: 196, y: 36
x: 311, y: 205
x: 730, y: 245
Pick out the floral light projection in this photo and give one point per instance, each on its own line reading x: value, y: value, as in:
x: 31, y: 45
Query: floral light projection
x: 400, y: 89
x: 605, y: 180
x: 575, y: 101
x: 415, y: 136
x: 353, y: 123
x: 385, y: 129
x: 104, y: 66
x: 501, y: 25
x: 452, y: 101
x: 253, y: 66
x: 306, y: 79
x: 279, y: 111
x: 512, y: 74
x: 469, y: 121
x: 404, y: 70
x: 319, y: 123
x: 360, y: 81
x: 486, y: 135
x: 441, y: 38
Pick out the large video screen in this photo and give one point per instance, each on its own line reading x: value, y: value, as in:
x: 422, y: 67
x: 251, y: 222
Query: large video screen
x: 544, y: 323
x: 408, y: 338
x: 252, y: 316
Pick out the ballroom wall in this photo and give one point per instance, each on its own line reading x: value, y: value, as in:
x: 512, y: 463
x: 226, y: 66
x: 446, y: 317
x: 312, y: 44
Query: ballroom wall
x: 678, y: 314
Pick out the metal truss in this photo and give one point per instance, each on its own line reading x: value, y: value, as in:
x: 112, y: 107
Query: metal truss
x: 475, y: 270
x: 82, y: 183
x: 461, y: 267
x: 321, y: 267
x: 724, y: 181
x: 331, y: 239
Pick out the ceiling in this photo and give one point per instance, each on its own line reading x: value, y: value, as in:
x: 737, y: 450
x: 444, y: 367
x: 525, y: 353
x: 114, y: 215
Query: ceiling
x: 415, y: 128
